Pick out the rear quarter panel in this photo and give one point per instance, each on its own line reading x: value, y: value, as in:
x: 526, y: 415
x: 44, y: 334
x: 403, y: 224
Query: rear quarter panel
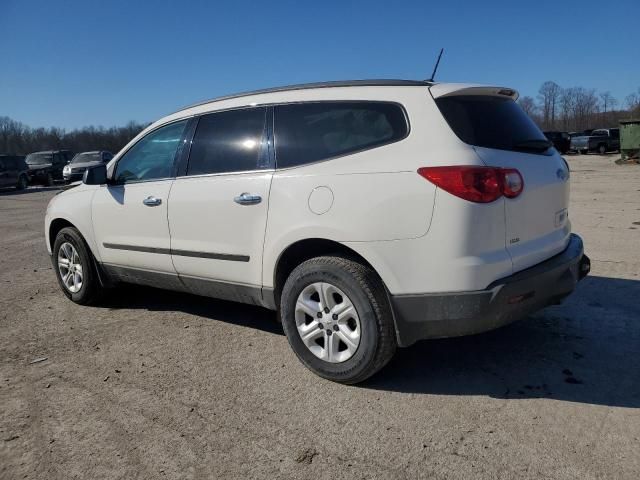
x: 376, y: 195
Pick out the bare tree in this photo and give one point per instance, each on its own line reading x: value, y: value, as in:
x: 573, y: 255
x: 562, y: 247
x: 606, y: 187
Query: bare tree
x: 17, y: 138
x: 606, y: 100
x: 549, y: 95
x: 632, y: 102
x: 528, y: 104
x: 567, y: 108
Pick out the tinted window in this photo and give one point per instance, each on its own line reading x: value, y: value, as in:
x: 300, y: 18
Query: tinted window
x: 152, y: 157
x: 492, y: 122
x: 232, y: 141
x: 106, y: 156
x: 615, y: 133
x: 39, y: 158
x: 309, y: 132
x: 86, y: 157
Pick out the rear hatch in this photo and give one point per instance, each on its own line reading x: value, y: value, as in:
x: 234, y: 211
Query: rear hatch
x: 489, y: 119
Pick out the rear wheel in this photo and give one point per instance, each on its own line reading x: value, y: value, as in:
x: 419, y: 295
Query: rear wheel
x: 337, y: 318
x: 49, y: 181
x: 602, y: 149
x: 74, y: 267
x: 23, y: 182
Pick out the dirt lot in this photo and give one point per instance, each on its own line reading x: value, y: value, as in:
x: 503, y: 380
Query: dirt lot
x: 163, y: 385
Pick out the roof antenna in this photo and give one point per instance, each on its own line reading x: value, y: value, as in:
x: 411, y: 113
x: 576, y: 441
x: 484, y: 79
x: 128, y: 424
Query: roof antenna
x: 435, y: 69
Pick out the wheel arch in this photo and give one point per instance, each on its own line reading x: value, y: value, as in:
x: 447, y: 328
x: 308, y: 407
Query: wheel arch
x: 302, y: 250
x: 58, y: 224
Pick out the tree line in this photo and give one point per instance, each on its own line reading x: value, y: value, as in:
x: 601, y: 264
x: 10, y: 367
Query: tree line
x: 571, y: 109
x: 20, y: 139
x: 574, y: 109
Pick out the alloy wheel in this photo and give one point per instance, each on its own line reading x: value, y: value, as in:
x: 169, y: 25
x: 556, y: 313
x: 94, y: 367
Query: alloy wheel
x: 70, y: 267
x: 327, y: 322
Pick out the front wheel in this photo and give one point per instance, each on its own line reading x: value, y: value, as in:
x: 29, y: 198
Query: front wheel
x: 74, y: 267
x: 337, y: 318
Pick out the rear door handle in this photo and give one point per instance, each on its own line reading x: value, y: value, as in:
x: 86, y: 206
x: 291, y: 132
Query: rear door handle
x: 247, y: 199
x: 152, y: 201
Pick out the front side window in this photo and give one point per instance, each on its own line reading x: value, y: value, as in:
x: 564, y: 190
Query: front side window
x: 152, y: 157
x: 231, y: 141
x: 310, y: 132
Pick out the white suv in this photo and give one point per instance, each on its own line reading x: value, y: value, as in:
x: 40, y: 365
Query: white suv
x: 371, y: 214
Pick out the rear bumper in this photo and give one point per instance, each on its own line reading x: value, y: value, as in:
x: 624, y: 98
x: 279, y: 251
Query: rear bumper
x: 504, y: 301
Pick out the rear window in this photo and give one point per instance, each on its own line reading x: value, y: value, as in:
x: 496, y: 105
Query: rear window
x: 492, y: 122
x: 39, y: 158
x: 310, y: 132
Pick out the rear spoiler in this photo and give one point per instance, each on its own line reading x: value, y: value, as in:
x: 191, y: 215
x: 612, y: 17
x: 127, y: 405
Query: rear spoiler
x: 450, y: 89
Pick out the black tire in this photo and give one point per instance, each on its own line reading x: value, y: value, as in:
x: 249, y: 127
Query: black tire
x: 49, y: 181
x: 368, y: 295
x: 23, y: 182
x: 602, y: 149
x: 90, y: 291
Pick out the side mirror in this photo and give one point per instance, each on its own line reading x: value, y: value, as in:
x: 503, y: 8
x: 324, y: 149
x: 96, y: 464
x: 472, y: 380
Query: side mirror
x: 95, y: 175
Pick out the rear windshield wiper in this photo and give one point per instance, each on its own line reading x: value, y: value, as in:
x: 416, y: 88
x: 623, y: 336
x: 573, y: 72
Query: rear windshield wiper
x: 535, y: 144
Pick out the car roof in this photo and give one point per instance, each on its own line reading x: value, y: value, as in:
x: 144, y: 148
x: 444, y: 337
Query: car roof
x: 309, y: 86
x: 51, y: 152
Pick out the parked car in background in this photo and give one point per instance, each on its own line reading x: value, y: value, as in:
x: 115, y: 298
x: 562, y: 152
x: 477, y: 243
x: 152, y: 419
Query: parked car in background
x: 74, y: 170
x: 600, y: 140
x: 46, y: 167
x: 274, y: 198
x: 560, y: 140
x: 13, y: 172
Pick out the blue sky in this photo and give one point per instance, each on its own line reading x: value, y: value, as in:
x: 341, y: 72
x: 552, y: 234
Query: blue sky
x: 94, y: 62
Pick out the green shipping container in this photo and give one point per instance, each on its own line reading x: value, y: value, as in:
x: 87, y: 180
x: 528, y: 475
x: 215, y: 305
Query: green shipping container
x: 630, y: 138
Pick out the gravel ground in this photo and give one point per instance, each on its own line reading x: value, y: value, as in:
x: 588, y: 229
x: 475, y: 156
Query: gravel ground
x: 163, y: 385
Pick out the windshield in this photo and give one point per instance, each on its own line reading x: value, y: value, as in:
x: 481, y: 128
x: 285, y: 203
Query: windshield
x: 87, y: 157
x: 39, y: 158
x: 492, y: 122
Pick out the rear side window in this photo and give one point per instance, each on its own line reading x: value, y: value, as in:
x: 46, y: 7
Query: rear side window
x: 310, y: 132
x: 232, y: 141
x: 492, y: 122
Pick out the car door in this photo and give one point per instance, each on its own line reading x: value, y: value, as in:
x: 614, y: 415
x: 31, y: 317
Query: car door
x: 218, y: 208
x: 130, y: 213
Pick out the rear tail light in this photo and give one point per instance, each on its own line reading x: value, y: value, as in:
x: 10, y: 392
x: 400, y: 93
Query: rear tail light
x: 476, y: 184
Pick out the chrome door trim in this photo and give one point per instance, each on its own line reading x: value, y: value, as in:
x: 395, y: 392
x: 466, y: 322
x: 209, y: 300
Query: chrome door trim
x: 182, y: 253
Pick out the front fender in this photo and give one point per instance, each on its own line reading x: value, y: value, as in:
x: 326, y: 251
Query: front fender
x: 72, y: 206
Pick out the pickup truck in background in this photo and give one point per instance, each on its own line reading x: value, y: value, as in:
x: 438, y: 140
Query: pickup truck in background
x: 601, y: 140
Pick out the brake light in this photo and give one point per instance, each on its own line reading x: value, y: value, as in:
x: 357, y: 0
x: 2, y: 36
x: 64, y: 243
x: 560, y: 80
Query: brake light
x: 476, y: 184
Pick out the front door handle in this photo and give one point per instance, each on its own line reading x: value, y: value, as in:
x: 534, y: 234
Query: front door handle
x: 247, y: 199
x: 152, y: 201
